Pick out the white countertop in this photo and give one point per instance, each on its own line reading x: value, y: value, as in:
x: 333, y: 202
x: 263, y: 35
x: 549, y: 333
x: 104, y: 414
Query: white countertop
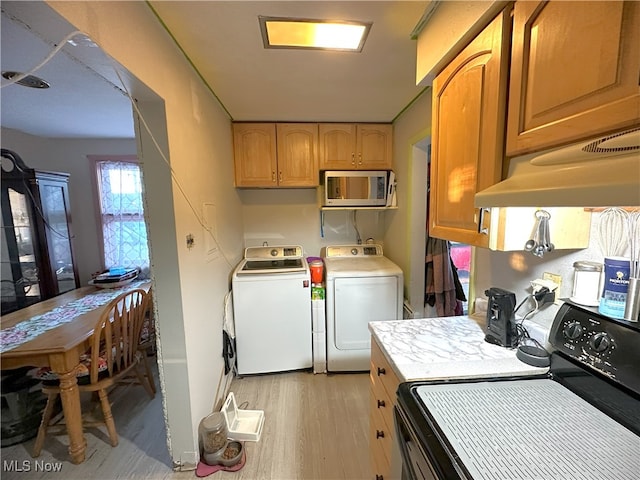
x: 445, y: 347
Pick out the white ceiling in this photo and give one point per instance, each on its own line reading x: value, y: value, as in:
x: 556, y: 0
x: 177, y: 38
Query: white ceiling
x: 222, y: 39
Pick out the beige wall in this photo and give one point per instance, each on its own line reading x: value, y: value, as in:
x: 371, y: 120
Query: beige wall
x: 194, y: 133
x: 405, y: 227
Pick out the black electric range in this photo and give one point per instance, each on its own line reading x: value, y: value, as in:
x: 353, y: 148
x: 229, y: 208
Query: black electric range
x: 579, y: 421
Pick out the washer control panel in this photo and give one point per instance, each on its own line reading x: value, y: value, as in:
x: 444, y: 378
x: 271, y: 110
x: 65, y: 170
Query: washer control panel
x: 277, y: 252
x: 367, y: 250
x: 609, y: 346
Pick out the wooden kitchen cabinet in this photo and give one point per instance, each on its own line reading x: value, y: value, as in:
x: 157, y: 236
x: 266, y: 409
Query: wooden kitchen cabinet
x: 469, y: 103
x: 297, y: 154
x: 384, y: 384
x: 345, y: 146
x: 574, y: 72
x: 254, y: 150
x: 275, y: 155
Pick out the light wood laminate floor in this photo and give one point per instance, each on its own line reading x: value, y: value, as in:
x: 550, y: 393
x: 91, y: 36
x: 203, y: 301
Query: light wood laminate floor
x: 316, y: 428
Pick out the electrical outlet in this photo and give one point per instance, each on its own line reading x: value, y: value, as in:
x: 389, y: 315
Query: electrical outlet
x: 555, y: 278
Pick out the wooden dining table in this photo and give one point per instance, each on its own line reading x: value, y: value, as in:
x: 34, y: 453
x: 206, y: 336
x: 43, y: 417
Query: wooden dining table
x: 60, y: 348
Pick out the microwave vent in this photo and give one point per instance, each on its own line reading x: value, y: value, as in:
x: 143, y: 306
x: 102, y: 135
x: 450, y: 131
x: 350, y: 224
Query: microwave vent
x: 619, y: 142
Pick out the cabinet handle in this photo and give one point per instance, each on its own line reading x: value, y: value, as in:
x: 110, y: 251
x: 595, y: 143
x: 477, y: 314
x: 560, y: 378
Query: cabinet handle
x: 273, y: 176
x: 379, y: 477
x: 353, y: 159
x: 360, y: 158
x: 379, y: 434
x: 481, y: 229
x: 381, y: 371
x: 381, y: 404
x: 279, y: 176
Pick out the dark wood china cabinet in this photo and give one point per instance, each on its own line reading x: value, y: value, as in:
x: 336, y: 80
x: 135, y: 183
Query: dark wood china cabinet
x: 36, y: 256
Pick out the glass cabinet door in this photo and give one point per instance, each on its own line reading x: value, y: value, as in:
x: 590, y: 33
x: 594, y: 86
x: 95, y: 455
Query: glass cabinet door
x: 55, y: 213
x: 20, y: 282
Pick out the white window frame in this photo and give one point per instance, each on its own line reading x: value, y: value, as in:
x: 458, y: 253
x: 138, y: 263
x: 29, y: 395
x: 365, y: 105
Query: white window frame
x: 95, y: 160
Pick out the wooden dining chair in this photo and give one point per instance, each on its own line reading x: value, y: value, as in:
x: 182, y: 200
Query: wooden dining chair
x: 113, y: 358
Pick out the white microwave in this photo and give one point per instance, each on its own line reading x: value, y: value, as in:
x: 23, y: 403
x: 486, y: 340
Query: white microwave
x: 355, y: 188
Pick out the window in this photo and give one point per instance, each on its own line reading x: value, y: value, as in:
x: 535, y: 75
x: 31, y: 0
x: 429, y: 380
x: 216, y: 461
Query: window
x: 124, y: 232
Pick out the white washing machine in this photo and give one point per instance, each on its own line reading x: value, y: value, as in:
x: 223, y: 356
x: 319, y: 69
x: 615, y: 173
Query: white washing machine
x: 362, y: 286
x: 272, y: 310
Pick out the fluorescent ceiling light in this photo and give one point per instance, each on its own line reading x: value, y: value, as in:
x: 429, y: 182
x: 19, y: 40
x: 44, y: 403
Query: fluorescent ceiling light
x: 313, y: 34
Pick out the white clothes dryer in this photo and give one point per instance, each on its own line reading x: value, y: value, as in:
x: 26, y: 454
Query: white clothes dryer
x: 362, y: 286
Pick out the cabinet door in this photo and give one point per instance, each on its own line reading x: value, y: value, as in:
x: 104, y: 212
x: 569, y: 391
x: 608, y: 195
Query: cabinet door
x: 469, y: 98
x: 20, y: 255
x: 574, y: 73
x: 56, y: 216
x: 255, y: 154
x: 374, y: 147
x: 297, y: 157
x: 337, y: 146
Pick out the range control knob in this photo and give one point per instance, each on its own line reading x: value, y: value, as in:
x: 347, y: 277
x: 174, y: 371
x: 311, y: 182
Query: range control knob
x: 600, y: 342
x: 273, y: 252
x: 354, y: 251
x: 573, y: 331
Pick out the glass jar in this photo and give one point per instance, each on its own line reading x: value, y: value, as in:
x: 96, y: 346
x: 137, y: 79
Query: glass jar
x: 586, y: 283
x: 213, y: 433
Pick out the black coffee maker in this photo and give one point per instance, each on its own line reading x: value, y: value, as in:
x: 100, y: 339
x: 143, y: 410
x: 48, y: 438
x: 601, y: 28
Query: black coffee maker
x: 501, y: 318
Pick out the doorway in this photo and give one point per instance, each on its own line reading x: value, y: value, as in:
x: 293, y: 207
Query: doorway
x: 460, y: 253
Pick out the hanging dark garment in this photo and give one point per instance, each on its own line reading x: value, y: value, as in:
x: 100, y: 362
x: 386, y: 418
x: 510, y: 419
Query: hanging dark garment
x: 443, y: 287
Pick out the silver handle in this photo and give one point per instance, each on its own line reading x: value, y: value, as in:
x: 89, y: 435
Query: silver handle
x: 353, y: 158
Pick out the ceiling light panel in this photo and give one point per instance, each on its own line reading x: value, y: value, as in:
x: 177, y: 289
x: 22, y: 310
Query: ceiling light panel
x: 280, y: 32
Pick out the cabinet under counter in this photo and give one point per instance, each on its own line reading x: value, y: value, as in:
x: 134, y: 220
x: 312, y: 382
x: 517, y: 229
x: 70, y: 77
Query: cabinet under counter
x: 426, y: 349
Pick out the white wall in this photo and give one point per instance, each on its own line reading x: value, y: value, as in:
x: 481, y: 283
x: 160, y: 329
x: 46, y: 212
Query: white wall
x: 292, y: 217
x: 70, y: 156
x: 195, y: 133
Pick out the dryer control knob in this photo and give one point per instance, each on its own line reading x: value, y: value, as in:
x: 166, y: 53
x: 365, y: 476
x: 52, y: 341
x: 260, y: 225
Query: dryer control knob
x: 274, y: 252
x: 354, y: 251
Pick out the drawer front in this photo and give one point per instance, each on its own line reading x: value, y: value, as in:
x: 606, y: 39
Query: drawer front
x: 380, y: 443
x: 380, y: 466
x: 382, y: 404
x: 381, y: 371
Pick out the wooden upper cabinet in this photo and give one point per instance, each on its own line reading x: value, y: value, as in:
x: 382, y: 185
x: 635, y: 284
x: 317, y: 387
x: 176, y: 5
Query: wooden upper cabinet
x: 574, y: 73
x: 297, y: 157
x: 254, y: 150
x: 374, y: 146
x: 469, y: 103
x: 275, y: 155
x: 346, y: 146
x: 337, y: 146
